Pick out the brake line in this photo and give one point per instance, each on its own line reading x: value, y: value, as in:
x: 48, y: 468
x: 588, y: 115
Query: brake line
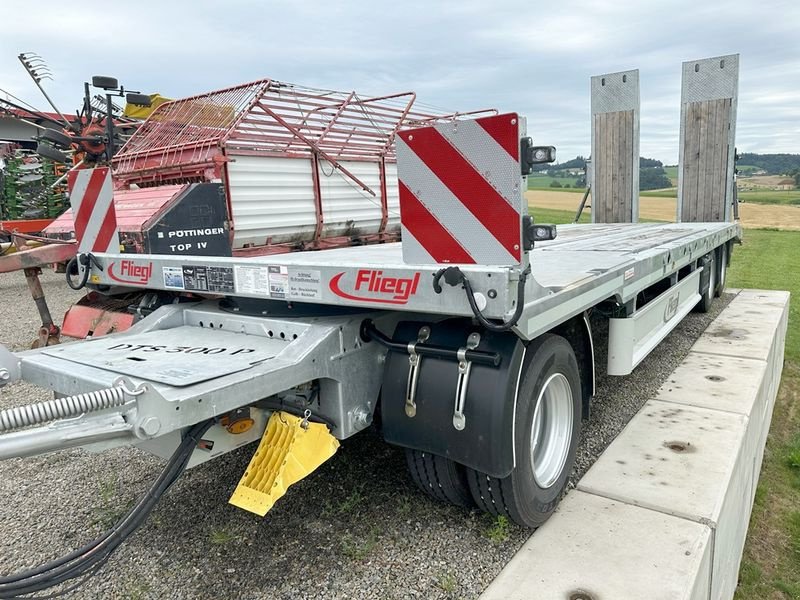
x: 87, y: 560
x: 453, y: 276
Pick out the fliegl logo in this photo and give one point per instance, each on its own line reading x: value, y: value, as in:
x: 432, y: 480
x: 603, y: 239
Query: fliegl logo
x: 374, y: 286
x: 130, y: 272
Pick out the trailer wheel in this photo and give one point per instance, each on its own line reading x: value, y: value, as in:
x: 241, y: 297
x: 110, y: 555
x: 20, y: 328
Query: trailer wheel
x: 548, y: 422
x: 439, y: 477
x: 722, y: 271
x: 707, y: 299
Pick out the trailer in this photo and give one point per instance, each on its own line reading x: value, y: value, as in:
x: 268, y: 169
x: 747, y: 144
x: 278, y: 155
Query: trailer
x: 468, y: 343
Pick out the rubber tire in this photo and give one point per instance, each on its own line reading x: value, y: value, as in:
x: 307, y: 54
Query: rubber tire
x: 439, y: 477
x: 722, y: 270
x: 707, y: 299
x: 518, y: 496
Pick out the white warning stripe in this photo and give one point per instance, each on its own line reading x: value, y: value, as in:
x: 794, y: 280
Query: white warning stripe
x: 467, y: 230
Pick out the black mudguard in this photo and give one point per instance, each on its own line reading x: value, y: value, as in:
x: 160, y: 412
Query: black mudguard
x: 486, y: 443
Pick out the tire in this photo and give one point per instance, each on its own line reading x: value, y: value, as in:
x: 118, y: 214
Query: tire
x: 722, y: 271
x: 549, y: 394
x: 707, y: 299
x: 439, y: 477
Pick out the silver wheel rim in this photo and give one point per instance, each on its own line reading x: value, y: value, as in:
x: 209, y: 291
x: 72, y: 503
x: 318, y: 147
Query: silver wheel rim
x: 551, y: 432
x: 723, y: 270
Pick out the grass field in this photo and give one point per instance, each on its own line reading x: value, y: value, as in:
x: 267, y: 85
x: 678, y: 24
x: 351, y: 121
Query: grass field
x: 672, y: 173
x: 786, y: 197
x: 771, y: 563
x: 544, y: 181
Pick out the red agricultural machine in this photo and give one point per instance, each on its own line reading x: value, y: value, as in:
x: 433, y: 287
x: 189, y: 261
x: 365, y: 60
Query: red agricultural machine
x: 260, y: 168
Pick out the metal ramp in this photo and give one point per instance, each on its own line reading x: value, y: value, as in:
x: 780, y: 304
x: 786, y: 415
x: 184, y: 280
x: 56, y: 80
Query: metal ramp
x: 709, y: 94
x: 615, y: 147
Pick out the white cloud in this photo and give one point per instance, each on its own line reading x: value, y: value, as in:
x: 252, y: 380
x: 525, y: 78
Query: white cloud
x: 531, y: 58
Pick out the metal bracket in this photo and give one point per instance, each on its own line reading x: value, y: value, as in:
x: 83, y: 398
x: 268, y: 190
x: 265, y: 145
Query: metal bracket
x: 414, y: 364
x: 9, y: 366
x: 464, y: 368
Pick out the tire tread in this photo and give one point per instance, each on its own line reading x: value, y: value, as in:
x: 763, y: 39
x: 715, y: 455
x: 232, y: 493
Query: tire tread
x: 439, y: 477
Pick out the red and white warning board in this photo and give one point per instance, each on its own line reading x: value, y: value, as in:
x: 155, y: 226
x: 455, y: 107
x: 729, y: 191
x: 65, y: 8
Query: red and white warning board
x: 91, y: 196
x: 461, y: 197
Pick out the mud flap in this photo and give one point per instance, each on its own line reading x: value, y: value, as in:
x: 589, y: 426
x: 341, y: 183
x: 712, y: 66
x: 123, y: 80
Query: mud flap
x: 468, y: 420
x: 290, y: 449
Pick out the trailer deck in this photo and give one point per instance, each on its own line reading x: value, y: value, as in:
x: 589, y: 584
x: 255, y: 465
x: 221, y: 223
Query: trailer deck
x: 584, y: 265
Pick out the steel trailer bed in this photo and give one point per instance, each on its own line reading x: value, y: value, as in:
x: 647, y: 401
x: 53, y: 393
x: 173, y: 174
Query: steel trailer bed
x: 583, y: 266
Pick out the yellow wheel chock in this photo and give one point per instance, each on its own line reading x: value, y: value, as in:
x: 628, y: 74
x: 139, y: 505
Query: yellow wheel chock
x: 290, y: 449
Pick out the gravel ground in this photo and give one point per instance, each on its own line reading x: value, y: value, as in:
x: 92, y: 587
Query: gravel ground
x: 356, y: 528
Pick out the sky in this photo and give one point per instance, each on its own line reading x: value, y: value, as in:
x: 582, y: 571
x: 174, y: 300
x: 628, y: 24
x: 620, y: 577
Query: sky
x: 532, y: 58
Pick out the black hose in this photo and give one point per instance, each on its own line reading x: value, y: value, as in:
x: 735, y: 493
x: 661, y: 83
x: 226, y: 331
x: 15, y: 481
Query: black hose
x: 454, y: 276
x: 86, y: 260
x: 87, y: 560
x: 72, y: 265
x: 370, y: 332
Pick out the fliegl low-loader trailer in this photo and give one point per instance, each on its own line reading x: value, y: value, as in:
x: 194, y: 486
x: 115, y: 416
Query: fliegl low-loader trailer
x: 468, y: 343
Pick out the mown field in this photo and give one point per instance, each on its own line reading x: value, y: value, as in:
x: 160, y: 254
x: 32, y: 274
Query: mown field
x: 753, y: 215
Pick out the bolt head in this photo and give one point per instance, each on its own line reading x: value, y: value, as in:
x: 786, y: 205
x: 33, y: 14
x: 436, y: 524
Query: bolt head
x: 4, y: 375
x: 150, y: 426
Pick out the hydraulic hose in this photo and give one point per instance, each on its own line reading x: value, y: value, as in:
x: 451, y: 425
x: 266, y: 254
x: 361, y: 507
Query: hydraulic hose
x: 453, y: 276
x: 86, y: 260
x: 87, y: 560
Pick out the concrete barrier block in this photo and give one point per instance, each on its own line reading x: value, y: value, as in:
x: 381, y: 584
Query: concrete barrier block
x: 675, y: 459
x: 718, y: 382
x: 596, y: 548
x: 744, y: 328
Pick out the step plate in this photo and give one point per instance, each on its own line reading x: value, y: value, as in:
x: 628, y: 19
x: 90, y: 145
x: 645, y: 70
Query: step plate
x: 179, y: 356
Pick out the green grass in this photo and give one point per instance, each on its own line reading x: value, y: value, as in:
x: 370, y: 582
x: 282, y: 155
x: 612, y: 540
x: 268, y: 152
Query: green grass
x: 771, y: 260
x: 359, y: 547
x: 747, y: 168
x: 771, y: 561
x: 791, y: 197
x: 537, y: 182
x: 497, y: 530
x: 560, y: 217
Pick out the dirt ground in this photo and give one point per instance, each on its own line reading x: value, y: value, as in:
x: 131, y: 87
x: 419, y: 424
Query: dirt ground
x: 753, y: 216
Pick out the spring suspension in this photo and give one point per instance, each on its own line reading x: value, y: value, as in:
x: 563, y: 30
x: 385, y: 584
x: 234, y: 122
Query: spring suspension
x: 62, y: 408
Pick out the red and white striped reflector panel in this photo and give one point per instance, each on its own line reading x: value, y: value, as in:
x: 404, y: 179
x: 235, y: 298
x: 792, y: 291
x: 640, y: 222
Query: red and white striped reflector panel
x: 461, y: 192
x: 91, y: 196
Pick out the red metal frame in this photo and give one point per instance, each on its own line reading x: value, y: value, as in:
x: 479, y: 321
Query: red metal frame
x: 25, y: 226
x: 192, y: 139
x: 185, y: 140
